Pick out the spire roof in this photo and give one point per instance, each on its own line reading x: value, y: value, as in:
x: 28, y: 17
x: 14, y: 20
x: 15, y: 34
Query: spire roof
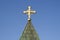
x: 29, y: 32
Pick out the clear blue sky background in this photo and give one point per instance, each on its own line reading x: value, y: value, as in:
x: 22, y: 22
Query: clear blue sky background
x: 46, y: 21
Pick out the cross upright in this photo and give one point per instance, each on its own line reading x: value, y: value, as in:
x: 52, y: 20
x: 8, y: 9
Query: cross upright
x: 29, y: 12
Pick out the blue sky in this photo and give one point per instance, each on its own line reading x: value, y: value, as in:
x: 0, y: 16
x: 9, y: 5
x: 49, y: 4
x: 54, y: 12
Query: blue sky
x: 46, y: 21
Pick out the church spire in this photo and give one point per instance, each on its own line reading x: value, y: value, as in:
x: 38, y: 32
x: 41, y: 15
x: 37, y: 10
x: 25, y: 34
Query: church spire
x: 29, y: 32
x: 29, y: 12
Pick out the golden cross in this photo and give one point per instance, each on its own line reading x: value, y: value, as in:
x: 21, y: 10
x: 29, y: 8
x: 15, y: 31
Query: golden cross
x: 29, y: 12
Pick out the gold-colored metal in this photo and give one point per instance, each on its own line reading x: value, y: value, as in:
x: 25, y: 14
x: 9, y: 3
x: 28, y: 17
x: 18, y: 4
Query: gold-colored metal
x: 29, y: 12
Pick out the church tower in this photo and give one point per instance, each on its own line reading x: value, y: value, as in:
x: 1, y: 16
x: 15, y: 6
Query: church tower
x: 29, y: 32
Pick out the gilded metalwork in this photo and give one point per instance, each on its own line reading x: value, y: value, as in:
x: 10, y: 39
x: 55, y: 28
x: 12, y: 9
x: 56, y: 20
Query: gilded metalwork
x: 29, y: 12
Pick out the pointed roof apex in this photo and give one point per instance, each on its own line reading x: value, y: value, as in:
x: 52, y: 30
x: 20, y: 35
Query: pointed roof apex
x: 29, y: 32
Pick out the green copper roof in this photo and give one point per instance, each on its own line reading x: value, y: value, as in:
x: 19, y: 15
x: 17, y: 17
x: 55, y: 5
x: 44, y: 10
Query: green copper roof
x: 29, y: 32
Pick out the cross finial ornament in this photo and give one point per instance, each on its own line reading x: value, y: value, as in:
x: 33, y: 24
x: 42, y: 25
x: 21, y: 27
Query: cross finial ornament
x: 29, y: 12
